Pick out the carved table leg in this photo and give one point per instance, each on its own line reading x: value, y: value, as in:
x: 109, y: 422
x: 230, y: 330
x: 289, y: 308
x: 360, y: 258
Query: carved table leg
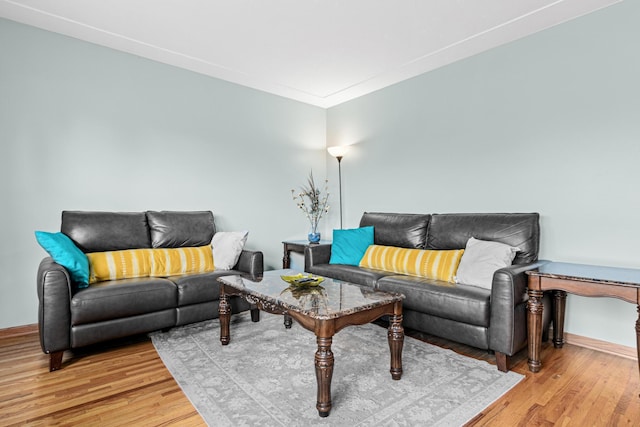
x: 534, y: 306
x: 287, y: 321
x: 255, y: 314
x: 638, y: 337
x: 324, y: 372
x: 559, y: 304
x: 395, y: 336
x: 286, y: 261
x: 224, y: 314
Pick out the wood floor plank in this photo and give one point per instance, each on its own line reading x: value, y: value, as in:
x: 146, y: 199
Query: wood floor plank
x: 126, y: 383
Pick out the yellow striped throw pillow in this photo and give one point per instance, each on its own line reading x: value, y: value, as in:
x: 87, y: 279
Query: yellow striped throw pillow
x: 115, y: 265
x: 132, y: 263
x: 172, y: 262
x: 433, y: 264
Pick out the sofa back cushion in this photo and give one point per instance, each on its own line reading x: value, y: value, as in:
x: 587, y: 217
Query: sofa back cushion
x: 396, y: 229
x: 106, y: 231
x: 171, y: 229
x: 521, y: 230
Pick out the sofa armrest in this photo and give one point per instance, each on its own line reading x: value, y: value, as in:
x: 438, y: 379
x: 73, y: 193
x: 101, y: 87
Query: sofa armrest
x: 507, y: 327
x: 314, y: 255
x: 251, y: 262
x: 55, y: 290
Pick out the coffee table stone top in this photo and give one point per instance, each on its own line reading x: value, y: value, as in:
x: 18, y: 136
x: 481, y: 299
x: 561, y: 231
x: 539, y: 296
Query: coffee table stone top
x: 330, y: 299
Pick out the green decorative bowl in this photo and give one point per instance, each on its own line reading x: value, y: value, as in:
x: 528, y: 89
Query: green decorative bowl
x: 303, y: 280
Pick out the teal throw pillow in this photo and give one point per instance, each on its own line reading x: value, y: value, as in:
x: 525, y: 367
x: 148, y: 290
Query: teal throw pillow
x: 64, y: 252
x: 348, y: 246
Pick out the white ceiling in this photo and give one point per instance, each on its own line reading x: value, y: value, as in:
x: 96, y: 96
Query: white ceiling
x: 321, y: 52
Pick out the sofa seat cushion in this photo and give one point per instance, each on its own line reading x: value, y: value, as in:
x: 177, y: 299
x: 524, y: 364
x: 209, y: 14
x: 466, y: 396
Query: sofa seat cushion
x: 198, y: 288
x: 122, y: 298
x: 349, y: 273
x: 461, y: 303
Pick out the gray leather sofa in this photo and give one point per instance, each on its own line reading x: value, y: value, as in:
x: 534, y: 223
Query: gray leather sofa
x: 70, y: 317
x: 494, y: 319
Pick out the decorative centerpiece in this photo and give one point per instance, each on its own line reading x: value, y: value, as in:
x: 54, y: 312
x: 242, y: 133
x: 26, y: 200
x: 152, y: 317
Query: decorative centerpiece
x: 314, y: 204
x: 312, y: 298
x: 303, y: 280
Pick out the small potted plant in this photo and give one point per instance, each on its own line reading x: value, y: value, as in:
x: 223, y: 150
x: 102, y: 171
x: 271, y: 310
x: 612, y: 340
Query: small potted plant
x: 313, y: 203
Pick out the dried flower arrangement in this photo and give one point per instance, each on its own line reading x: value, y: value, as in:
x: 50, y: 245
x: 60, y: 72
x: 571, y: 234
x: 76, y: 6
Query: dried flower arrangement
x: 313, y: 203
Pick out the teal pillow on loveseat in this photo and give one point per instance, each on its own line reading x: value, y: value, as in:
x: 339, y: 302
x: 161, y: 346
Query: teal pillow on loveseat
x: 63, y: 251
x: 348, y: 246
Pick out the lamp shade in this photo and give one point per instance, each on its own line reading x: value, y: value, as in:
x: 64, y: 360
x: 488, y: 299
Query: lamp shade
x: 338, y: 150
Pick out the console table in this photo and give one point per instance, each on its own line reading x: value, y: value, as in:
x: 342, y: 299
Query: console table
x: 297, y: 246
x: 578, y: 279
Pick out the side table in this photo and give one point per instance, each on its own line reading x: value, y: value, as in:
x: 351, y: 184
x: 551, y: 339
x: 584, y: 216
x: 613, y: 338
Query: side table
x: 297, y: 246
x: 578, y: 279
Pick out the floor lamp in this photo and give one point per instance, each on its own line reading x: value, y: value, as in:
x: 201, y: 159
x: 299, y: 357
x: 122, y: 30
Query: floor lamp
x: 338, y: 152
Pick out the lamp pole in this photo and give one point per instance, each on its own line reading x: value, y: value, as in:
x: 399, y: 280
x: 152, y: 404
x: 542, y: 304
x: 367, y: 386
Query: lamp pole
x: 338, y: 152
x: 340, y: 186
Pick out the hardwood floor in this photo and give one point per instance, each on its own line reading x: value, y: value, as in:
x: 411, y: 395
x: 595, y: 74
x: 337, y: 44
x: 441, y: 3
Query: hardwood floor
x: 575, y: 387
x: 126, y: 383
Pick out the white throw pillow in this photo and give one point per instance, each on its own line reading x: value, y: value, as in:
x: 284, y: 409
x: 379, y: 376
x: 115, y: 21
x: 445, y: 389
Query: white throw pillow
x: 226, y: 247
x: 481, y: 259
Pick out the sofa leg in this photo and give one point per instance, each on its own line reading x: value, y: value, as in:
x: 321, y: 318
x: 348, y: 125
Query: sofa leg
x: 55, y: 360
x: 502, y: 360
x: 255, y: 315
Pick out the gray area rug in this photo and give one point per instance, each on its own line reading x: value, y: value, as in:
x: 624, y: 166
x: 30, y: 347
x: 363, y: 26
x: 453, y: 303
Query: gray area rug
x: 266, y: 377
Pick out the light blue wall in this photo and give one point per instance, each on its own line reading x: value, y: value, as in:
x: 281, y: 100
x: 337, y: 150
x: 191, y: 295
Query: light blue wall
x: 85, y: 127
x: 549, y: 123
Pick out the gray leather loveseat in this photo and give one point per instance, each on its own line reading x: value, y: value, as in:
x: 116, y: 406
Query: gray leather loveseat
x: 494, y: 319
x: 71, y: 317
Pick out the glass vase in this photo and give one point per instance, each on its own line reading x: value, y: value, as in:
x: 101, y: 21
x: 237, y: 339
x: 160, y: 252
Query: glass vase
x: 314, y: 234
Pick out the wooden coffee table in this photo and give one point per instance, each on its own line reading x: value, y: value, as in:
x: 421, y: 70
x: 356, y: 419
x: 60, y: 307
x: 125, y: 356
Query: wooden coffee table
x: 323, y: 310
